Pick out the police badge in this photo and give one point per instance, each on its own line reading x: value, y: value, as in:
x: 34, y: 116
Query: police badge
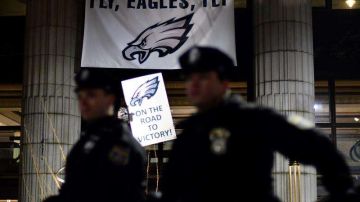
x: 219, y: 138
x: 119, y: 155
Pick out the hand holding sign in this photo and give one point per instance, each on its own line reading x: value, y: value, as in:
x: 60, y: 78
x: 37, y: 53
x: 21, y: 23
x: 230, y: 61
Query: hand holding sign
x: 147, y: 100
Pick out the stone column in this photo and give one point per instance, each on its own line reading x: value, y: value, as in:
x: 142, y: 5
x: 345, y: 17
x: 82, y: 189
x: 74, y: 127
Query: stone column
x: 285, y: 74
x: 51, y: 120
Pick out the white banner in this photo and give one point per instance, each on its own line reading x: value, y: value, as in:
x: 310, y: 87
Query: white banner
x: 148, y: 103
x: 152, y: 34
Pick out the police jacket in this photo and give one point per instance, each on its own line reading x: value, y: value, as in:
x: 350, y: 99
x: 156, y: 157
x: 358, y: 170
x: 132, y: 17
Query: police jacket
x: 106, y: 164
x: 226, y: 154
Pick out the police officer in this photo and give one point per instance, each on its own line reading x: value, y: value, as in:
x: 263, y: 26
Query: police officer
x: 106, y: 164
x: 226, y: 150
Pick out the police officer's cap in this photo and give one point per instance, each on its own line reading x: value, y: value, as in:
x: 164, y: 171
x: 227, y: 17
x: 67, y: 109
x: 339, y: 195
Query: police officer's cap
x: 205, y: 59
x: 90, y: 78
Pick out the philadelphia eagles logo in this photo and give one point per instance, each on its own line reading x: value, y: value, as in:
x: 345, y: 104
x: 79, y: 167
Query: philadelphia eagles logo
x: 145, y: 90
x: 164, y: 38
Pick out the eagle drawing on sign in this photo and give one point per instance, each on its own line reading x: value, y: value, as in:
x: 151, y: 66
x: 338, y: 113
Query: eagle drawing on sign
x: 164, y: 38
x: 145, y: 90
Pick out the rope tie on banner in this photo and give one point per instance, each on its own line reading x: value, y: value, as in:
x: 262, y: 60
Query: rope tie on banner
x: 27, y: 189
x: 57, y: 139
x: 44, y: 187
x: 52, y: 174
x: 40, y: 182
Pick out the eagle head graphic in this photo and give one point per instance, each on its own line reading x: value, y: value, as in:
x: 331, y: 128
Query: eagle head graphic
x: 164, y: 38
x: 145, y: 90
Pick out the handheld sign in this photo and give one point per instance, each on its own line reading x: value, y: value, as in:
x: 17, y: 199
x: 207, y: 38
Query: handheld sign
x: 147, y: 101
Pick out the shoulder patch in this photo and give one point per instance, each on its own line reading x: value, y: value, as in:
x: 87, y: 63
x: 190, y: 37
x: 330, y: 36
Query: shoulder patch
x: 219, y: 140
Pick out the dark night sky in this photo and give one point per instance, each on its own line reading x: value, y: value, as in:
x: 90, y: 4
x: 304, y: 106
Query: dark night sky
x: 12, y: 37
x: 337, y: 43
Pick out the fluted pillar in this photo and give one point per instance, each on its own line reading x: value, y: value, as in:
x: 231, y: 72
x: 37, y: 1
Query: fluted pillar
x: 285, y: 74
x: 51, y: 120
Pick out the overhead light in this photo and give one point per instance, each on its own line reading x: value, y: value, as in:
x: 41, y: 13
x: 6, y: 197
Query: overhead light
x: 356, y: 119
x: 317, y: 107
x: 350, y: 3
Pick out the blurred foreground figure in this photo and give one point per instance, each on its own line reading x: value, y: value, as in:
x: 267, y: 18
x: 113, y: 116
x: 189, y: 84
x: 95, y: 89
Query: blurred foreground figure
x: 106, y: 164
x: 225, y: 152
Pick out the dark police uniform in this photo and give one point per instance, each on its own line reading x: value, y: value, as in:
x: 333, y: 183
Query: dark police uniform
x: 106, y: 164
x: 226, y: 153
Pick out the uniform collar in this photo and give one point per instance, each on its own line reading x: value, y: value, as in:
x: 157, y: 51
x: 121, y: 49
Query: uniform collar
x: 98, y: 122
x: 229, y: 101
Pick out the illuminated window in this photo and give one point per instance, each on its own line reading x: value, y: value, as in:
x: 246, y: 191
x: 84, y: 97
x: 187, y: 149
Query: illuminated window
x: 346, y: 4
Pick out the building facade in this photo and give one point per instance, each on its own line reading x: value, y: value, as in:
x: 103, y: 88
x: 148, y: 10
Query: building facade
x: 287, y: 57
